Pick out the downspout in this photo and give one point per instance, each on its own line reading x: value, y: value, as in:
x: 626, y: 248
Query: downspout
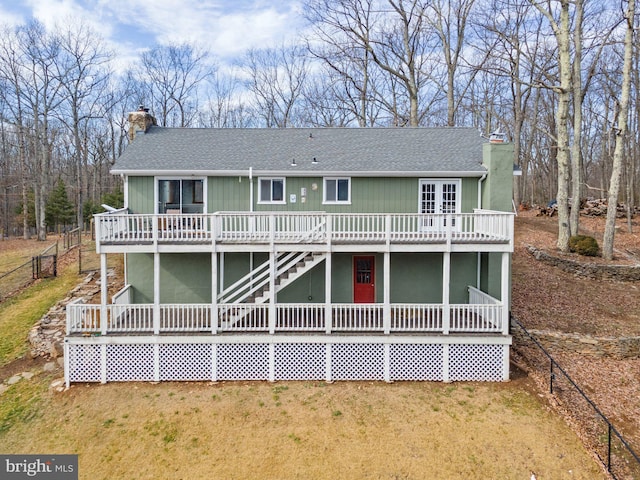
x: 479, y: 262
x: 251, y: 189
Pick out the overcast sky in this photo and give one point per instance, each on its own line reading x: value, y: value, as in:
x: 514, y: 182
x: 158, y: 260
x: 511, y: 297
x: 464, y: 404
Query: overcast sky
x: 226, y: 27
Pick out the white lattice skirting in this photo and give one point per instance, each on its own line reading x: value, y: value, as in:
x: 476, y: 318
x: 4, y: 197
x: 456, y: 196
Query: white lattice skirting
x: 119, y: 359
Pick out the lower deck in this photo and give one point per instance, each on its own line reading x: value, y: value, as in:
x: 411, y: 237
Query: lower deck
x: 206, y: 357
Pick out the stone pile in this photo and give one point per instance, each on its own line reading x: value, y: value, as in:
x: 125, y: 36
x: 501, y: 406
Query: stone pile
x: 46, y: 337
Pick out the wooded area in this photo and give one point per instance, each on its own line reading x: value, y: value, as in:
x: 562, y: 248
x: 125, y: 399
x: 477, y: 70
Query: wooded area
x: 551, y: 74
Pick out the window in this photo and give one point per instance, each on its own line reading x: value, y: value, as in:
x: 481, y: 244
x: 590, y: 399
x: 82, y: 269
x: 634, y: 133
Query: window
x: 337, y: 190
x: 271, y: 190
x: 181, y: 196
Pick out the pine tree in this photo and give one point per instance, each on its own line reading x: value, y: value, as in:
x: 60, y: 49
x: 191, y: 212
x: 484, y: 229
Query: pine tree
x: 59, y: 210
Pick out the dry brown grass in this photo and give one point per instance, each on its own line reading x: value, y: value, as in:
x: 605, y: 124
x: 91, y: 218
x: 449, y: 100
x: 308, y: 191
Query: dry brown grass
x: 355, y: 430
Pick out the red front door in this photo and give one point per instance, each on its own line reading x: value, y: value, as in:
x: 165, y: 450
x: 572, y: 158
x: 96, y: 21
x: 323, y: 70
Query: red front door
x: 364, y: 286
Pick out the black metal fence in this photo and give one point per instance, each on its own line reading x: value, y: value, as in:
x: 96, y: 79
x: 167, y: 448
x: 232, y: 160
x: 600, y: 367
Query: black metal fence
x: 598, y: 432
x: 43, y: 265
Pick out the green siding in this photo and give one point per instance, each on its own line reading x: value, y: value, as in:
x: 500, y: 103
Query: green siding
x: 368, y: 195
x: 141, y: 194
x: 228, y: 194
x: 469, y: 195
x: 463, y: 275
x: 497, y: 191
x: 140, y: 276
x: 491, y: 274
x: 185, y: 278
x: 307, y: 288
x: 416, y: 278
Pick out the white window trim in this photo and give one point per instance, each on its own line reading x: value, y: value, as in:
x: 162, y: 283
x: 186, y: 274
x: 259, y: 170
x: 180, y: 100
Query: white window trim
x: 335, y: 202
x: 272, y: 202
x: 156, y: 190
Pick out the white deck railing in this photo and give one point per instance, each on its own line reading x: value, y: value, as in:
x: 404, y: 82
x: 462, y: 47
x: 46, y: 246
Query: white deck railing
x: 246, y: 317
x: 482, y: 226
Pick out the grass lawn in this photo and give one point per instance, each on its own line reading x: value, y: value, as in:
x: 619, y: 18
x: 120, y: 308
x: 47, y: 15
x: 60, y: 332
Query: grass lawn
x: 295, y: 430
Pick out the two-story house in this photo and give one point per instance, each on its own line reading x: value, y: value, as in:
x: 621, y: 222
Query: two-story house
x: 312, y: 254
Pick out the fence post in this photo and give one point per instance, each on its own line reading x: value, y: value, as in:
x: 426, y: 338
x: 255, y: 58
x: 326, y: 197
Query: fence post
x: 79, y: 256
x: 608, y: 447
x: 551, y: 376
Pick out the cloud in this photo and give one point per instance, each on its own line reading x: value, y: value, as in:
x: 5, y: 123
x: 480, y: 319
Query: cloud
x: 54, y: 13
x: 11, y: 16
x: 227, y: 27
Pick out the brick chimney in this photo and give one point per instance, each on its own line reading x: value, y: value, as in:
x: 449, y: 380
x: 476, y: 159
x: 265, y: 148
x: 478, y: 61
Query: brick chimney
x: 140, y: 121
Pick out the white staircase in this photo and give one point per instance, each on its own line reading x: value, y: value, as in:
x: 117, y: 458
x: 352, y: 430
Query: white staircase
x: 255, y: 286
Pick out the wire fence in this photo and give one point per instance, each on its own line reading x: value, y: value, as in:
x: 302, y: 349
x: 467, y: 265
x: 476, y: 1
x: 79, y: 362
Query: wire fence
x: 598, y: 432
x: 45, y: 264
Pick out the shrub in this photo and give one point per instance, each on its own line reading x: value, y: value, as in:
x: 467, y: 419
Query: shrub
x: 584, y: 245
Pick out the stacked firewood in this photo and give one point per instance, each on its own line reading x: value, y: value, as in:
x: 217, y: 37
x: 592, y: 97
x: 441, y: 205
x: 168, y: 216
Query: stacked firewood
x: 550, y: 210
x: 597, y: 207
x: 594, y: 207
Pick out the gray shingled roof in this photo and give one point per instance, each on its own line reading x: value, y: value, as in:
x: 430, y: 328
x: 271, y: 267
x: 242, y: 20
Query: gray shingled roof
x: 353, y: 151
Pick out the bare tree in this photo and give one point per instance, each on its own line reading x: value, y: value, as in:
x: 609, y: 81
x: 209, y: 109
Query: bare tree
x: 82, y: 68
x: 448, y: 19
x: 276, y: 78
x: 42, y: 95
x: 172, y: 75
x: 13, y: 80
x: 562, y: 31
x: 621, y: 133
x: 390, y: 34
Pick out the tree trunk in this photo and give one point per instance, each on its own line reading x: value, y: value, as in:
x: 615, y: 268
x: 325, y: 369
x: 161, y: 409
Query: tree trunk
x: 562, y: 117
x: 621, y: 132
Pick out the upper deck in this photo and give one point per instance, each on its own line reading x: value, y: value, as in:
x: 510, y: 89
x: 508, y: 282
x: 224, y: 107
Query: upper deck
x: 482, y: 230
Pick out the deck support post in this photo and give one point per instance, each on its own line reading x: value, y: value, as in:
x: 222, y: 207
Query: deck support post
x: 328, y: 314
x: 504, y: 293
x: 446, y: 307
x: 273, y: 268
x: 156, y: 293
x: 214, y: 293
x: 386, y: 308
x: 103, y: 294
x: 446, y: 378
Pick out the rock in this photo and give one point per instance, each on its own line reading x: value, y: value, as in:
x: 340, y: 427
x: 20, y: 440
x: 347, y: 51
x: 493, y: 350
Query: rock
x: 59, y: 382
x: 49, y: 367
x: 27, y: 375
x: 3, y: 388
x: 13, y: 380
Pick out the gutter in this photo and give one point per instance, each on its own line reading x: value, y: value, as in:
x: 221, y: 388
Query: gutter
x: 301, y: 173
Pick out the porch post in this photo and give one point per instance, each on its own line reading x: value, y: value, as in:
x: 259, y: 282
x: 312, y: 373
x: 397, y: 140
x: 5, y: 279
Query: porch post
x: 156, y: 293
x: 214, y: 292
x: 272, y: 290
x: 504, y: 292
x: 327, y: 294
x: 386, y: 309
x: 103, y: 294
x: 446, y: 277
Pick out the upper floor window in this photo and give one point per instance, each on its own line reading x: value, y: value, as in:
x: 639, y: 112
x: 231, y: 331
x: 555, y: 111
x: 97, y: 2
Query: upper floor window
x: 337, y: 190
x: 180, y: 196
x: 271, y: 190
